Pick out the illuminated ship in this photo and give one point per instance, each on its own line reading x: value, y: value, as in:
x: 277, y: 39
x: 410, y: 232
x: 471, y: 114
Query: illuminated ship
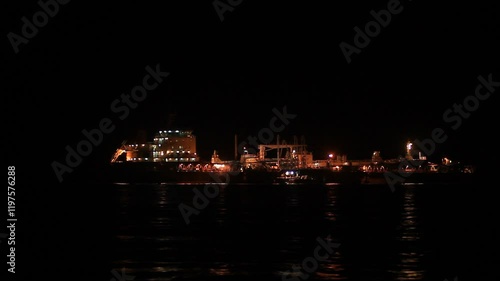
x: 172, y: 157
x: 168, y: 146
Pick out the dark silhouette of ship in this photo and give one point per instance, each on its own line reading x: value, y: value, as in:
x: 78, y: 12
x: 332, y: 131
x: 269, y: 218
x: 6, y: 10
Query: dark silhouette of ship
x: 171, y: 158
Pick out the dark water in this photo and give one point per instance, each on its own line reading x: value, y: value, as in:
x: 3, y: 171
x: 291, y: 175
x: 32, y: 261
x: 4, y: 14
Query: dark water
x: 260, y: 232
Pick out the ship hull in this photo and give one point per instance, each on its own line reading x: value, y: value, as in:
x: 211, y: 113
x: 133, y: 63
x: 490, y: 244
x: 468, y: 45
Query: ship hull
x: 162, y: 173
x: 168, y: 173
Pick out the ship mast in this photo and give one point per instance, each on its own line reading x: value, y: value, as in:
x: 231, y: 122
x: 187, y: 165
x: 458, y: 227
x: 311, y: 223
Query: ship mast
x: 235, y: 147
x: 279, y: 151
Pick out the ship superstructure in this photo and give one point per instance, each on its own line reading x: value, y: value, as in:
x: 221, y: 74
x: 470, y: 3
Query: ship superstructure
x: 171, y: 146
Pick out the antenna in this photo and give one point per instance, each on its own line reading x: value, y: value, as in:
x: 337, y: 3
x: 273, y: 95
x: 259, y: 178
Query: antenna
x: 235, y: 146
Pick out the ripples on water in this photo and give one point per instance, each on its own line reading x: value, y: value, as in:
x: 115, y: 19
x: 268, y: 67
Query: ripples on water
x: 259, y: 232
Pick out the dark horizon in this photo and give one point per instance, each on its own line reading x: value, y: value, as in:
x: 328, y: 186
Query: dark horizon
x: 225, y: 78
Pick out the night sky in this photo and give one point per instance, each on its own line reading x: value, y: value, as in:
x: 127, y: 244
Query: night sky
x: 226, y: 77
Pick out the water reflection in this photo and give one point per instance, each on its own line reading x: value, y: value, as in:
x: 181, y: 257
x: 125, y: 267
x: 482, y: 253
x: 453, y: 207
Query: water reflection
x: 409, y: 226
x: 410, y: 246
x: 334, y: 267
x: 261, y: 232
